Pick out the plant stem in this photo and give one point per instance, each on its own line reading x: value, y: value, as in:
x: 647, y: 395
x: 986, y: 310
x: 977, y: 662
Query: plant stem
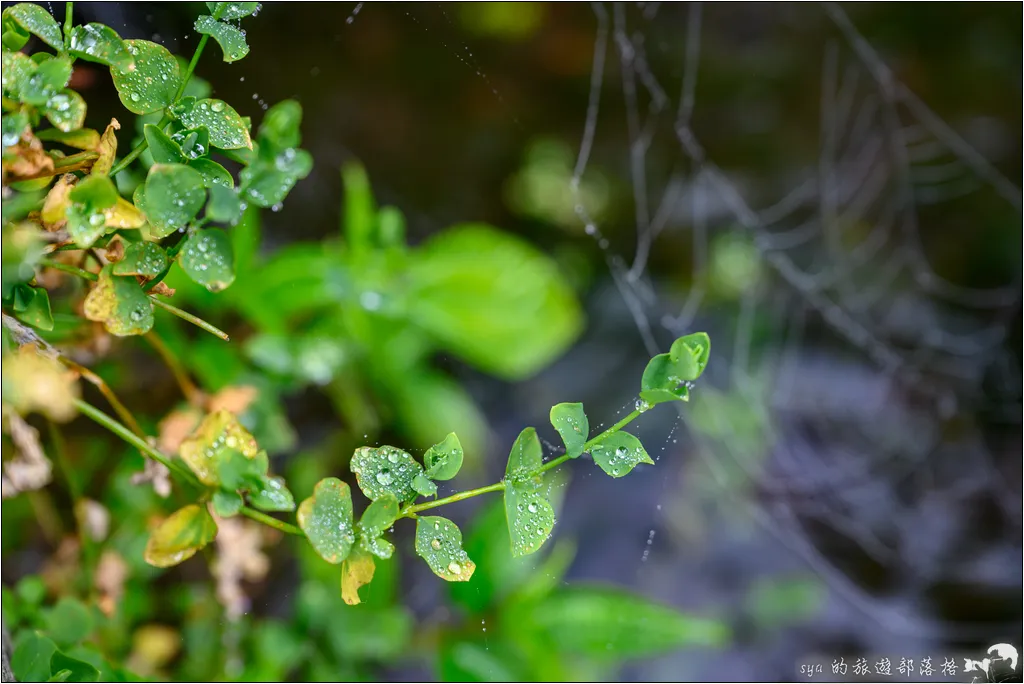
x: 69, y: 10
x: 88, y: 547
x: 137, y: 150
x: 188, y: 388
x: 108, y: 393
x: 68, y: 268
x: 194, y: 320
x: 271, y: 521
x: 411, y: 511
x: 139, y: 443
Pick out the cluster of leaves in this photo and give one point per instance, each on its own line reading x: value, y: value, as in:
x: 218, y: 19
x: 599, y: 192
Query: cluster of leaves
x: 186, y: 191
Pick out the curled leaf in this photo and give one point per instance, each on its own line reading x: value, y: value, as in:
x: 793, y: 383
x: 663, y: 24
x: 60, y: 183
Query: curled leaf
x: 180, y: 536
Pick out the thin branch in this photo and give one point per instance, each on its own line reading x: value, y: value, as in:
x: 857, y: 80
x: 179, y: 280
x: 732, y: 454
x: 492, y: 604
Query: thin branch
x: 194, y: 320
x: 121, y: 410
x: 193, y: 394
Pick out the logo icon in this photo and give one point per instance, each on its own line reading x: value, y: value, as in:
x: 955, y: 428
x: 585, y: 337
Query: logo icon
x: 1000, y: 666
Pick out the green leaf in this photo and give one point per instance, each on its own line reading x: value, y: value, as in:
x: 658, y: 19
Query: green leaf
x: 271, y: 494
x: 146, y: 259
x: 529, y: 515
x: 385, y: 470
x: 439, y: 542
x: 194, y: 142
x: 526, y: 456
x: 203, y: 450
x: 224, y: 205
x: 120, y: 304
x: 326, y: 518
x: 161, y: 146
x: 13, y: 37
x: 95, y: 193
x: 13, y: 127
x: 66, y: 110
x: 619, y: 453
x: 661, y: 381
x: 45, y: 80
x: 31, y: 657
x: 68, y: 621
x: 379, y: 516
x: 279, y: 129
x: 233, y: 10
x: 360, y: 209
x: 17, y: 69
x: 154, y: 81
x: 237, y: 471
x: 443, y: 461
x: 81, y: 139
x: 356, y: 571
x: 37, y: 21
x: 231, y: 40
x: 213, y: 173
x: 72, y: 669
x: 32, y: 306
x: 226, y: 504
x: 179, y: 537
x: 174, y: 195
x: 227, y: 130
x: 207, y: 258
x: 96, y: 42
x: 572, y: 424
x: 424, y: 486
x: 608, y: 623
x: 493, y: 299
x: 61, y: 676
x: 690, y: 354
x: 268, y: 183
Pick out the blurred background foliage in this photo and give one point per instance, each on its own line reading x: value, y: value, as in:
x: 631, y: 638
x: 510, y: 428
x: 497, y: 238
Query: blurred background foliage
x: 432, y: 275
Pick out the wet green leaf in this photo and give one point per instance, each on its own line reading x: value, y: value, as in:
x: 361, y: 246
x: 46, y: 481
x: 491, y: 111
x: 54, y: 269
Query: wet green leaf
x: 233, y: 10
x: 162, y: 147
x: 609, y: 623
x: 424, y: 486
x: 32, y: 306
x: 384, y: 470
x: 96, y: 42
x: 17, y: 69
x: 443, y: 461
x: 378, y: 516
x: 268, y: 183
x: 690, y: 355
x: 37, y: 21
x: 14, y: 126
x: 439, y: 543
x: 203, y: 450
x: 572, y: 424
x: 227, y: 130
x: 72, y: 669
x: 65, y: 110
x: 95, y: 193
x: 174, y: 194
x: 213, y: 173
x: 271, y: 494
x: 180, y: 536
x: 146, y: 259
x: 226, y: 504
x: 44, y: 81
x: 619, y: 453
x: 152, y: 84
x: 194, y: 142
x: 68, y: 621
x: 529, y: 515
x: 326, y: 518
x: 526, y: 456
x: 237, y: 471
x: 12, y: 36
x: 207, y: 258
x: 224, y: 205
x: 356, y: 571
x: 661, y: 381
x: 120, y: 304
x: 231, y: 39
x: 493, y: 299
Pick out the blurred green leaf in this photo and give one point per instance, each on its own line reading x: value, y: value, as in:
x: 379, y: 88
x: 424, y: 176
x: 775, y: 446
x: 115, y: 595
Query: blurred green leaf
x: 32, y: 306
x: 224, y: 205
x: 231, y: 40
x: 358, y: 208
x: 619, y: 453
x: 208, y: 260
x: 784, y: 601
x: 280, y: 127
x: 271, y: 494
x: 76, y: 670
x: 427, y: 404
x: 96, y: 42
x: 326, y: 518
x: 154, y: 81
x: 179, y: 537
x: 572, y: 424
x: 68, y: 621
x: 226, y: 504
x: 36, y: 20
x: 493, y: 299
x: 444, y: 460
x: 439, y: 543
x: 30, y: 659
x: 267, y: 183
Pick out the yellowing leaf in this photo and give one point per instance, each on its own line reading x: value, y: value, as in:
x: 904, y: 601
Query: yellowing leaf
x: 123, y: 215
x: 107, y: 150
x: 356, y: 572
x: 218, y: 431
x: 33, y: 382
x: 56, y: 203
x: 180, y: 536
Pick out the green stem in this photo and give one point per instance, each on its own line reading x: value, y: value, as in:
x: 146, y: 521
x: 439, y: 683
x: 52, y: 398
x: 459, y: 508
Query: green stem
x: 142, y: 445
x: 68, y: 268
x: 271, y: 521
x: 411, y: 511
x: 69, y: 10
x: 194, y: 320
x: 88, y: 547
x: 137, y: 150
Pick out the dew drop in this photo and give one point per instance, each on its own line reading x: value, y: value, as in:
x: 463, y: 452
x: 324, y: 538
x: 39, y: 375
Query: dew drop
x: 455, y: 568
x: 384, y: 477
x: 435, y: 544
